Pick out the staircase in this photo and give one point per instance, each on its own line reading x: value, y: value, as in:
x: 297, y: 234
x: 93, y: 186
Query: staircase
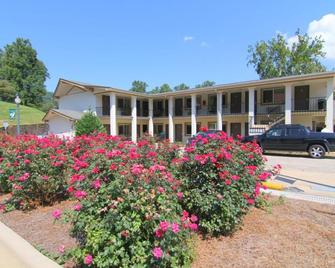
x: 268, y: 121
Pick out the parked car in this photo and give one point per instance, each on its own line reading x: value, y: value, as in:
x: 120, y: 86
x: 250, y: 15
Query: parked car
x: 295, y: 138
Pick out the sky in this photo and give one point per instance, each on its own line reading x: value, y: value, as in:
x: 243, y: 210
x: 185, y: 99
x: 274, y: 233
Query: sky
x: 113, y: 43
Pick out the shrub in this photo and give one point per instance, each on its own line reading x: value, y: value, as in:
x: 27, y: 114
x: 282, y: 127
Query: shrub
x: 34, y: 170
x: 89, y: 123
x: 127, y: 212
x: 221, y: 180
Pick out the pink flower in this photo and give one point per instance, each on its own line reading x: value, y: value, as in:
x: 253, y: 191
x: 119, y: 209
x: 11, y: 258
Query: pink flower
x: 159, y: 233
x: 77, y: 207
x: 61, y: 248
x: 164, y: 225
x: 96, y: 184
x: 45, y: 177
x: 194, y: 218
x: 157, y: 252
x: 26, y: 161
x: 57, y: 213
x: 235, y: 177
x: 251, y: 201
x: 24, y: 177
x: 80, y: 194
x: 227, y: 182
x: 137, y: 169
x: 88, y: 259
x: 175, y: 227
x: 180, y: 195
x: 193, y: 226
x: 160, y: 189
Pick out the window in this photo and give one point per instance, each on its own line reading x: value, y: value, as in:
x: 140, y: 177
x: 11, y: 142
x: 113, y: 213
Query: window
x: 158, y: 108
x: 212, y: 126
x: 188, y: 129
x: 145, y: 128
x: 273, y: 96
x: 145, y: 107
x: 188, y: 103
x: 124, y: 130
x: 276, y: 132
x: 212, y: 104
x: 295, y: 131
x: 123, y: 106
x: 105, y: 105
x: 267, y: 97
x: 158, y: 129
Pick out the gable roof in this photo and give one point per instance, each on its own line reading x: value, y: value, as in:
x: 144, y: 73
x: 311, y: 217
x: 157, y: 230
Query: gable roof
x: 69, y: 114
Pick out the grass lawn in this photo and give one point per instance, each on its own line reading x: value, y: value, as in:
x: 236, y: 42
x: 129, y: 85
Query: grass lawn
x: 28, y: 115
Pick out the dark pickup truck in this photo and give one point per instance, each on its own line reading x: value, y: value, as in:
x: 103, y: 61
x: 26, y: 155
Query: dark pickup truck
x: 295, y: 138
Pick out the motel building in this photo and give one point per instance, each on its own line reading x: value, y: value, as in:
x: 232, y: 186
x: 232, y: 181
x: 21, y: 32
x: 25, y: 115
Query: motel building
x: 243, y: 108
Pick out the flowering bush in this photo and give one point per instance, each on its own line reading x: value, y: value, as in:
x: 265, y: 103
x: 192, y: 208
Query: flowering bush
x: 221, y: 180
x: 127, y: 212
x: 33, y: 170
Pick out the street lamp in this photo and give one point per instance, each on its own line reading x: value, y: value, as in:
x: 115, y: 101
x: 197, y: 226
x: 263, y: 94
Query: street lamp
x: 18, y: 101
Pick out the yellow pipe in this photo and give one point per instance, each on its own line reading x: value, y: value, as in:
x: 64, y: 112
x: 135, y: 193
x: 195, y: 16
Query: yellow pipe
x: 273, y: 185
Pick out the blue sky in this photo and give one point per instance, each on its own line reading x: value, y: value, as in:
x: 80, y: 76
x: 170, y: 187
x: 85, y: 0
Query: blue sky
x: 115, y: 42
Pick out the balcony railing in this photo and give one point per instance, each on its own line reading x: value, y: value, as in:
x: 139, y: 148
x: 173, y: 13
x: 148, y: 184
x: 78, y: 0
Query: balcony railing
x: 270, y: 108
x: 105, y: 111
x: 315, y: 104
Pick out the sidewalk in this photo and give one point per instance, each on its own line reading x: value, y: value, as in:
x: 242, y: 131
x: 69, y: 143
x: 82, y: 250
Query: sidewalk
x: 15, y: 252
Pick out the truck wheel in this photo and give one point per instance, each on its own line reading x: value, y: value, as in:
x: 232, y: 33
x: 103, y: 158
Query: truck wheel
x: 316, y: 151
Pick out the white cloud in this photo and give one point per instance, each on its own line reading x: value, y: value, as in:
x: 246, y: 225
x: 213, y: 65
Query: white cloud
x: 204, y: 44
x: 324, y: 28
x: 188, y: 38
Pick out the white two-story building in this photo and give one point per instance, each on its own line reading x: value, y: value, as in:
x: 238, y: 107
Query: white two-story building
x: 238, y: 108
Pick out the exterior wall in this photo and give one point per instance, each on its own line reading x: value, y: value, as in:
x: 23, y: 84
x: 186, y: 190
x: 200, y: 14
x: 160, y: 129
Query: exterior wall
x: 78, y: 102
x: 60, y: 126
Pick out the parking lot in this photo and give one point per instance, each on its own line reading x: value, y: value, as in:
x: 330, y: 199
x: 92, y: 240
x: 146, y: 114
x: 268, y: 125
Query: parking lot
x: 305, y: 170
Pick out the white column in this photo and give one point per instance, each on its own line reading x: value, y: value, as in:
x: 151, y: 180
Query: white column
x: 288, y: 104
x: 219, y: 110
x: 133, y: 119
x: 251, y: 105
x: 151, y: 113
x: 171, y: 126
x: 330, y: 105
x: 112, y: 114
x: 193, y: 114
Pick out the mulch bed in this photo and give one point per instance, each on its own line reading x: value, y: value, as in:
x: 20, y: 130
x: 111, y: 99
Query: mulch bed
x: 293, y: 234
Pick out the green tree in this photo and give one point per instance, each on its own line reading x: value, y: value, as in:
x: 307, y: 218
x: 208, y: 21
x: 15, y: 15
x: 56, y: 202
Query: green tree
x: 206, y: 83
x: 181, y: 86
x: 139, y: 86
x: 88, y: 124
x: 21, y: 67
x: 163, y: 88
x: 275, y: 58
x: 7, y: 91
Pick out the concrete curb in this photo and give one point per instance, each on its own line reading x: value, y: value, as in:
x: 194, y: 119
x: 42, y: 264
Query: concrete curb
x: 303, y: 196
x: 15, y: 252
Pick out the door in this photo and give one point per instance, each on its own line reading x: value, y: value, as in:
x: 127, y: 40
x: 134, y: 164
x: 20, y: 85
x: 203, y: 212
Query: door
x: 246, y: 102
x: 235, y: 129
x: 246, y: 129
x: 105, y: 105
x: 178, y: 132
x: 178, y: 107
x: 235, y: 102
x: 301, y: 98
x: 272, y: 139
